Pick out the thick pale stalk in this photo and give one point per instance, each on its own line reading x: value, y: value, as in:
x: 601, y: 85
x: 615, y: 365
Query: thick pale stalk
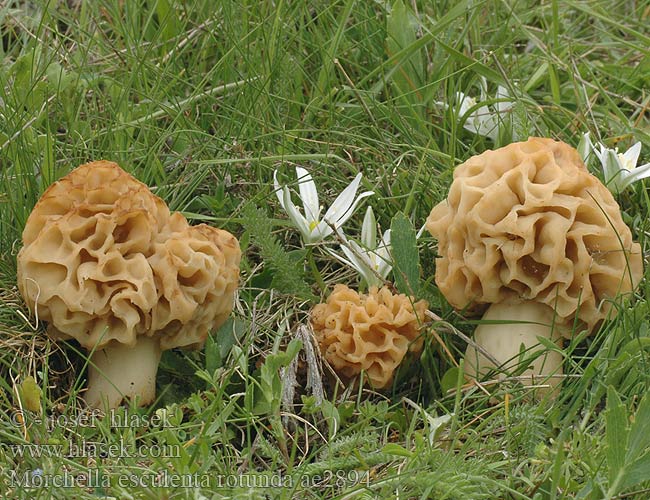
x: 123, y: 371
x: 522, y: 324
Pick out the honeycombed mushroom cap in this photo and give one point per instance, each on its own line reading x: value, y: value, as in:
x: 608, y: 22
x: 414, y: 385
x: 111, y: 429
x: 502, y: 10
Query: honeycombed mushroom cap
x: 370, y: 332
x: 105, y: 261
x: 529, y: 222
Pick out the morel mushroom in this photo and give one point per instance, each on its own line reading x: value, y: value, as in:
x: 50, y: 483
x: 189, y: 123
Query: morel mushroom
x: 370, y: 333
x: 529, y: 230
x: 106, y: 263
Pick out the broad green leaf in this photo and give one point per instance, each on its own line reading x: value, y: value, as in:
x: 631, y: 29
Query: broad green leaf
x: 269, y: 394
x: 449, y: 379
x: 212, y: 355
x: 616, y: 434
x: 635, y: 473
x: 219, y: 344
x: 406, y: 269
x: 30, y: 394
x: 639, y: 438
x: 169, y: 23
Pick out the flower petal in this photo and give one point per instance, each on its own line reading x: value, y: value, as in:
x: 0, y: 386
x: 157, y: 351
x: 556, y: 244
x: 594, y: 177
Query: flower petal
x: 613, y: 171
x: 308, y: 194
x: 503, y: 105
x: 320, y: 231
x: 637, y: 174
x: 340, y: 258
x: 343, y: 201
x: 278, y: 188
x: 384, y: 255
x: 360, y: 263
x: 369, y: 230
x: 465, y: 102
x: 600, y: 154
x: 344, y: 217
x: 296, y: 217
x: 632, y: 154
x: 490, y: 128
x: 344, y: 204
x: 585, y: 147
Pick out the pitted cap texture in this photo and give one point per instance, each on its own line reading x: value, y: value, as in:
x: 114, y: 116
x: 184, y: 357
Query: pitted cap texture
x: 104, y: 261
x: 370, y: 332
x: 529, y: 222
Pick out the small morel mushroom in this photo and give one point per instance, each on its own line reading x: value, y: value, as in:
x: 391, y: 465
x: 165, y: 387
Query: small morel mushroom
x: 370, y: 332
x: 529, y: 232
x: 106, y: 263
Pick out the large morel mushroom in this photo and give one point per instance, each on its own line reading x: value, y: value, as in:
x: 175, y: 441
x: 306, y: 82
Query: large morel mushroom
x: 106, y: 263
x: 529, y: 232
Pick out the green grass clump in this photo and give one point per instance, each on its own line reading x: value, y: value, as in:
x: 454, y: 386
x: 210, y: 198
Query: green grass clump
x: 203, y: 100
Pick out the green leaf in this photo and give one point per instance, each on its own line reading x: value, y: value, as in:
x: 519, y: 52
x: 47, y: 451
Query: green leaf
x: 449, y: 379
x: 170, y: 26
x: 330, y: 52
x: 616, y: 434
x: 30, y: 394
x: 213, y: 358
x: 406, y: 269
x: 287, y: 268
x: 639, y: 438
x: 58, y: 77
x: 219, y: 344
x: 397, y: 450
x: 268, y: 397
x: 401, y: 26
x: 635, y: 473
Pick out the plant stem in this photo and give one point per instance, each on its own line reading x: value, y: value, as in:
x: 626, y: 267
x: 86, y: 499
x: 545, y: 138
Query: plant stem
x: 314, y: 270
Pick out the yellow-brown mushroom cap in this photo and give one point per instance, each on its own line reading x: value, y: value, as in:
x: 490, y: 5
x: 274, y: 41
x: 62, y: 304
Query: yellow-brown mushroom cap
x: 370, y: 332
x: 529, y: 222
x: 104, y: 261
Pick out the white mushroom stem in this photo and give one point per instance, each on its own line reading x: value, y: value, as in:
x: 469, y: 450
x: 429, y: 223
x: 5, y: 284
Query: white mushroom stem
x: 516, y: 340
x: 122, y: 371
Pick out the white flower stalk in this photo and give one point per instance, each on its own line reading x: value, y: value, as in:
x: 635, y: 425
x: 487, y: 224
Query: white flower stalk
x: 620, y: 169
x: 483, y: 120
x: 371, y: 259
x: 312, y: 227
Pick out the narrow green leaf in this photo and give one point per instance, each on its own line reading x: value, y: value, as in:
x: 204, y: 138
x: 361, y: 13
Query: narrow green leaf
x: 330, y: 52
x: 477, y: 66
x: 537, y: 77
x: 554, y: 81
x: 401, y: 30
x: 397, y: 450
x: 406, y: 269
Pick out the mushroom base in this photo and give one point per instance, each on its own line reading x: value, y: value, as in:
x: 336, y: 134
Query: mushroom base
x: 515, y: 341
x: 119, y: 372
